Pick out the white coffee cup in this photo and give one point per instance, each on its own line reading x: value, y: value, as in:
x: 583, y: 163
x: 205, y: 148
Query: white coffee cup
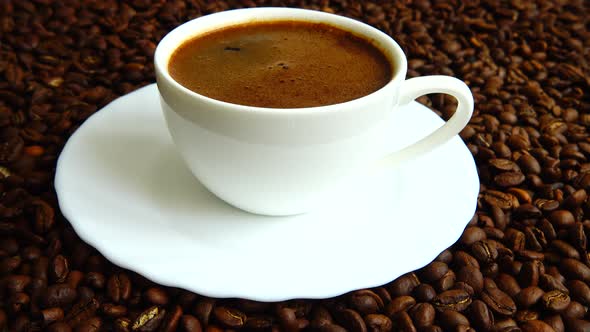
x: 287, y: 161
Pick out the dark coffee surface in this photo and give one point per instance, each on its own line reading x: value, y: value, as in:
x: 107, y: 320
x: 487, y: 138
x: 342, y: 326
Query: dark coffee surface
x: 282, y: 64
x: 521, y: 264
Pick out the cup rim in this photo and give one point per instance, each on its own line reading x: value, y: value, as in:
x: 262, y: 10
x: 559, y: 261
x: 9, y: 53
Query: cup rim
x: 386, y: 44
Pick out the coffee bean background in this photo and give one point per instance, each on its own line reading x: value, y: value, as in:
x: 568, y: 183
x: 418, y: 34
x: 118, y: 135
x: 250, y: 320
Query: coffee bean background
x: 522, y: 263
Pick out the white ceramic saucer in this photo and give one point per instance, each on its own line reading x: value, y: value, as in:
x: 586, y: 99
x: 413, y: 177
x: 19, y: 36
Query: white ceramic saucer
x: 126, y: 191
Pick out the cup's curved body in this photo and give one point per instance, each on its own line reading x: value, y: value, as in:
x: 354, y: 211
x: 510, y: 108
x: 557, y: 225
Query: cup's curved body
x: 276, y: 161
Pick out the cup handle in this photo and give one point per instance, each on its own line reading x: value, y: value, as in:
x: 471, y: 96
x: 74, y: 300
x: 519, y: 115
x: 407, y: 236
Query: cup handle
x: 416, y: 87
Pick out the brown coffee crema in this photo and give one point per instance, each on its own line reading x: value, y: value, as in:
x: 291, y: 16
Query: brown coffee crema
x: 281, y: 64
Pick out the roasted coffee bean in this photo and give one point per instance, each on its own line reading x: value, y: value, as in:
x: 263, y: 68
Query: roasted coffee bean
x: 203, y: 310
x: 399, y: 304
x: 471, y: 235
x: 529, y: 274
x: 498, y: 301
x: 556, y: 300
x: 403, y: 285
x: 528, y: 296
x: 424, y: 293
x: 229, y: 317
x: 81, y: 311
x: 575, y: 269
x: 555, y: 322
x: 149, y: 320
x: 455, y: 299
x: 93, y: 324
x: 156, y: 295
x: 450, y: 319
x: 577, y: 325
x: 59, y: 327
x: 536, y: 326
x: 119, y: 287
x: 287, y: 319
x: 472, y: 276
x: 59, y: 268
x: 574, y: 310
x: 258, y: 322
x: 378, y: 323
x: 403, y: 322
x: 422, y: 314
x: 172, y: 319
x: 113, y: 310
x: 433, y: 271
x: 579, y: 291
x: 59, y: 295
x: 508, y: 284
x: 480, y: 316
x: 190, y: 323
x: 350, y: 320
x: 366, y: 301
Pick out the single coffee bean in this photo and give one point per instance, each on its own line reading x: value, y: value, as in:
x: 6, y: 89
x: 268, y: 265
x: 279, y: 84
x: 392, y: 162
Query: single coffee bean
x: 446, y: 282
x: 190, y: 323
x: 480, y: 316
x: 579, y: 291
x: 463, y: 286
x: 529, y: 296
x: 149, y: 320
x: 549, y: 283
x: 258, y: 322
x: 450, y: 319
x: 52, y: 315
x: 287, y: 319
x: 114, y: 310
x: 350, y: 320
x: 93, y: 324
x: 424, y: 293
x: 577, y: 325
x: 556, y: 300
x: 332, y: 328
x: 95, y: 280
x: 366, y: 301
x: 229, y: 317
x: 574, y: 310
x: 565, y: 249
x: 156, y: 296
x: 81, y: 311
x: 471, y: 235
x: 172, y: 319
x: 59, y: 295
x: 403, y: 322
x: 399, y: 304
x: 461, y: 258
x: 529, y: 274
x: 403, y: 285
x: 562, y: 219
x: 498, y: 301
x: 16, y: 283
x: 433, y: 271
x: 119, y: 287
x: 422, y: 314
x: 203, y: 310
x: 555, y: 322
x: 472, y: 276
x: 320, y: 316
x: 59, y: 327
x: 59, y: 268
x: 455, y: 299
x: 484, y: 252
x: 575, y: 269
x: 536, y: 326
x: 378, y: 323
x: 508, y: 284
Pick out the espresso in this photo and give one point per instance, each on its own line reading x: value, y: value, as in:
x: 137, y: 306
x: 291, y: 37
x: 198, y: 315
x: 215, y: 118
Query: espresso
x: 280, y: 64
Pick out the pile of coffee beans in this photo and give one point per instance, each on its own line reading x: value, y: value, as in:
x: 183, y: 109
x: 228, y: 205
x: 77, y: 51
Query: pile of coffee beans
x: 522, y: 263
